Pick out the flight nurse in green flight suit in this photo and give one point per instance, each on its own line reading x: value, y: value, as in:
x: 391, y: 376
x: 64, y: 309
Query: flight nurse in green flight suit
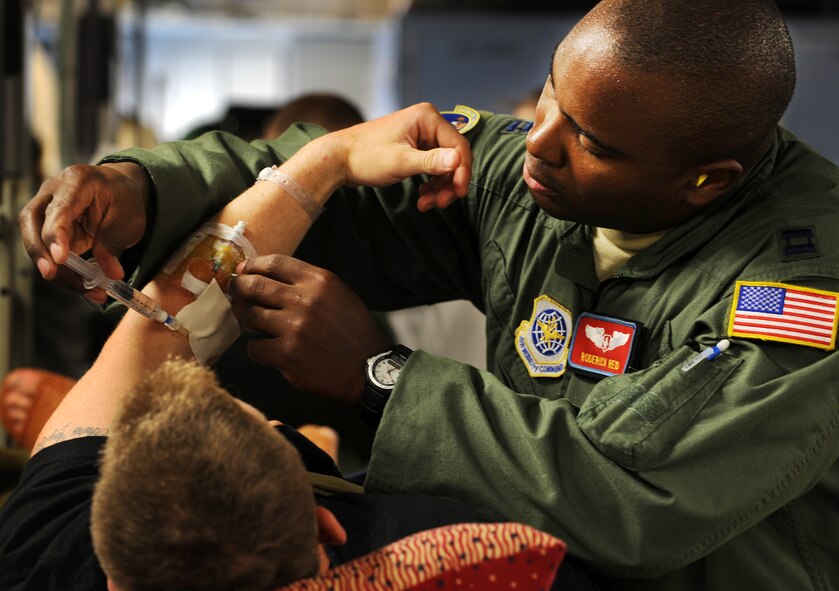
x: 654, y: 201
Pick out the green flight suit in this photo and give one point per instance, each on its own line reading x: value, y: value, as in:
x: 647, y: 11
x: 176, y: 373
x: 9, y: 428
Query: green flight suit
x: 724, y: 477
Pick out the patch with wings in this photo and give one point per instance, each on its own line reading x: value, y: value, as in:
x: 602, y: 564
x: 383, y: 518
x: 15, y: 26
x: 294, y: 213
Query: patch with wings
x: 603, y: 346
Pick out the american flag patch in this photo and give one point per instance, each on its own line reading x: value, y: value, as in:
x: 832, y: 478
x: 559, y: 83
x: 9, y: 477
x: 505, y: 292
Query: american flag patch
x: 787, y: 313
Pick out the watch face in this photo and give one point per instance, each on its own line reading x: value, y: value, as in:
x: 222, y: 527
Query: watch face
x: 385, y: 371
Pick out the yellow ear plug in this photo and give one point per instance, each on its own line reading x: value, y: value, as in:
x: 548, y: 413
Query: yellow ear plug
x: 702, y: 178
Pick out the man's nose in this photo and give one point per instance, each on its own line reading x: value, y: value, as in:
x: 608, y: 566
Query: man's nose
x: 545, y: 140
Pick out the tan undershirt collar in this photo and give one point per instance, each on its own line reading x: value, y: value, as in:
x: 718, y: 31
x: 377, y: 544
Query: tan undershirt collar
x: 613, y: 248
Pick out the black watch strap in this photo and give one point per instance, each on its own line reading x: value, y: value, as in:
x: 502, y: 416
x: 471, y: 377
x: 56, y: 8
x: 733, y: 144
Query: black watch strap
x: 374, y: 399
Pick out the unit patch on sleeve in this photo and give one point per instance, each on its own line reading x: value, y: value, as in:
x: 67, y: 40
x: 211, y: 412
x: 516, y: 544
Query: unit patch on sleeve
x: 542, y: 341
x: 463, y: 118
x: 786, y: 313
x: 603, y: 346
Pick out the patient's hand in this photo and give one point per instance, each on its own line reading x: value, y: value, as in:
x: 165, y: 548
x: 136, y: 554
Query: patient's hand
x: 415, y: 140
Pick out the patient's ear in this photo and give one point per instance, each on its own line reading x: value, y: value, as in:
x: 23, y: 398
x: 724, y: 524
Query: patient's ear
x: 330, y: 531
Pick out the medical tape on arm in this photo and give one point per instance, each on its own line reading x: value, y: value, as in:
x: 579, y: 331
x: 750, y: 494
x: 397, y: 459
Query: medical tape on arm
x: 211, y: 323
x: 206, y: 263
x: 212, y: 252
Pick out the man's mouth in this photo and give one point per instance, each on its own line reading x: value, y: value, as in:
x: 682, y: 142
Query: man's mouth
x: 537, y: 186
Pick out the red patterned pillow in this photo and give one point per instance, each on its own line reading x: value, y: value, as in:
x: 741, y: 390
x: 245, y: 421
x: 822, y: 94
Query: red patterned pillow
x: 478, y: 556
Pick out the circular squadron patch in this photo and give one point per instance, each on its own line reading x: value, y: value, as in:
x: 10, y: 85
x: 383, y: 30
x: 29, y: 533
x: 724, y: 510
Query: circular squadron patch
x: 542, y: 342
x: 463, y: 118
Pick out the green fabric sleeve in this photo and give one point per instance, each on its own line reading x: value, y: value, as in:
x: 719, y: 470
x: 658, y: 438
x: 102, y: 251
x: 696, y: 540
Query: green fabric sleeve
x: 192, y: 180
x: 655, y: 470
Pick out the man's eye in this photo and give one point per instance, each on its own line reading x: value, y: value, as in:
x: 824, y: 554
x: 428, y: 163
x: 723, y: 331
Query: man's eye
x: 588, y: 145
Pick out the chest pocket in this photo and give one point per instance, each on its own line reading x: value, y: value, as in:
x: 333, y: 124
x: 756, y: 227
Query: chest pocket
x: 512, y: 282
x: 500, y: 301
x: 635, y: 419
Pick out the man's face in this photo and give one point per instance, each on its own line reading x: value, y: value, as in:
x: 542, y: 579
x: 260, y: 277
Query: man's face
x: 592, y: 154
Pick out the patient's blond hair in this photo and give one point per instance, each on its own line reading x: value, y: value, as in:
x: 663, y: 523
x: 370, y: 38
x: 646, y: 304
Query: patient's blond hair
x: 195, y: 493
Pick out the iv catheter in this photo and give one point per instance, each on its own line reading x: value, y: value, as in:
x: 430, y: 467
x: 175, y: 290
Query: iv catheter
x: 94, y: 276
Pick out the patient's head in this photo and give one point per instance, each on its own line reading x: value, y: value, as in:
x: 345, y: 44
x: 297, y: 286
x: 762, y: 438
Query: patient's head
x: 330, y: 111
x: 196, y: 492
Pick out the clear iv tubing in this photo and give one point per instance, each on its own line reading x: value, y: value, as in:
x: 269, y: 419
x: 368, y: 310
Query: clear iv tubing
x: 94, y: 276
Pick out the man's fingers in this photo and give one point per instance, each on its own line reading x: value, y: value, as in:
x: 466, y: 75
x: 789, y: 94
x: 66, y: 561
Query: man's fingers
x: 107, y: 251
x: 265, y: 351
x: 58, y: 245
x: 96, y: 296
x: 263, y: 320
x: 30, y: 221
x: 252, y: 289
x: 254, y: 294
x: 66, y: 206
x: 279, y: 267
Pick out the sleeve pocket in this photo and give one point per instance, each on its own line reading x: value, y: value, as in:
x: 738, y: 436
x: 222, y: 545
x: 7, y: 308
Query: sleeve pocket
x: 635, y: 419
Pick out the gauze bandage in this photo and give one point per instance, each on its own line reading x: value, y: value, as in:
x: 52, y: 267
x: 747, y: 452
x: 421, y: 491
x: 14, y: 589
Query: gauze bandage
x: 205, y: 264
x: 212, y: 326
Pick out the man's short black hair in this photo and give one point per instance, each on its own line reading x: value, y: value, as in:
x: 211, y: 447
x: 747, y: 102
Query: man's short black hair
x: 732, y: 64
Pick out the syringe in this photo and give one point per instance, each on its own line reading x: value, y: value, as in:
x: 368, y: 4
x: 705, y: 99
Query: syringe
x: 94, y: 276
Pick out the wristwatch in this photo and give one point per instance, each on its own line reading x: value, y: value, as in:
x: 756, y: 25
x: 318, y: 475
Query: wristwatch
x: 380, y: 379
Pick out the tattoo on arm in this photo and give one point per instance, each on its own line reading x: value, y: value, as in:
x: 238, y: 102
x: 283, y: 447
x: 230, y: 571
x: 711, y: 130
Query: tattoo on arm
x: 68, y: 432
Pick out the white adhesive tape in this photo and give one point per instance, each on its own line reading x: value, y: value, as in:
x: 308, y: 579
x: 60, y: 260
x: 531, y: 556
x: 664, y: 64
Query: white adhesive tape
x: 192, y: 284
x: 212, y: 326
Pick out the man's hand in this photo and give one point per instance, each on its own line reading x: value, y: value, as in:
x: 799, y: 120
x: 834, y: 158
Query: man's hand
x: 416, y: 140
x: 318, y: 332
x: 84, y: 207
